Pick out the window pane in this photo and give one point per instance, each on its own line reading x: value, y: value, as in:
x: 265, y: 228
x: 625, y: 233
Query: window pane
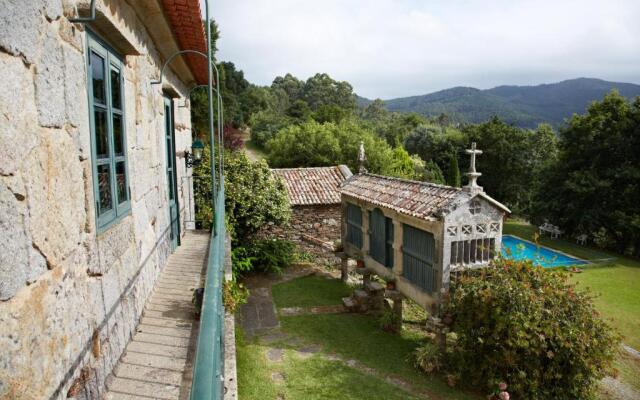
x: 170, y: 182
x: 118, y: 139
x: 104, y: 189
x: 169, y: 154
x: 97, y: 74
x: 116, y: 100
x: 102, y: 133
x: 121, y: 182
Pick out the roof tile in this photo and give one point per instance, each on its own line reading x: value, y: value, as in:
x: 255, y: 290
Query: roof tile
x: 313, y: 186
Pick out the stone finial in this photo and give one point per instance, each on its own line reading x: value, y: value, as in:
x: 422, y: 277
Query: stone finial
x: 472, y: 186
x: 362, y: 159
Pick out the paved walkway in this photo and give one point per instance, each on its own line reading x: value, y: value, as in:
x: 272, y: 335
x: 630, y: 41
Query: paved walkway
x: 157, y: 363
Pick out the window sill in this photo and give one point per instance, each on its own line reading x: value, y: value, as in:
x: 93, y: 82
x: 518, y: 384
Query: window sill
x: 101, y: 230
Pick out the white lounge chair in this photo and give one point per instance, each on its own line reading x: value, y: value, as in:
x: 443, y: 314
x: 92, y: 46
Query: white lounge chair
x: 582, y: 239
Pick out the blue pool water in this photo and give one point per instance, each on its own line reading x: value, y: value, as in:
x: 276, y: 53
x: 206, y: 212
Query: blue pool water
x: 519, y: 249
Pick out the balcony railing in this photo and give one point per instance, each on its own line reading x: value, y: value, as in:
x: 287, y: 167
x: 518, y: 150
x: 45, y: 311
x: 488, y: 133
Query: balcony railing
x: 208, y: 370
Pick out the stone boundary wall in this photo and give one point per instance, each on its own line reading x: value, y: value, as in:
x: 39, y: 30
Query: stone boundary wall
x: 321, y: 222
x: 71, y: 298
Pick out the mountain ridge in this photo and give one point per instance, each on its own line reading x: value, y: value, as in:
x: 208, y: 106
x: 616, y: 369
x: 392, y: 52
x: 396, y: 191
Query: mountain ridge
x: 522, y: 105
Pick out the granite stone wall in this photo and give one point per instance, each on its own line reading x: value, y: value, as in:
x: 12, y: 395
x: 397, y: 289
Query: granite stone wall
x: 70, y: 298
x: 321, y: 222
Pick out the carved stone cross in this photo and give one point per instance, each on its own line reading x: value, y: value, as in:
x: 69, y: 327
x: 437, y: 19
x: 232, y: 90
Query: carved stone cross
x: 472, y: 174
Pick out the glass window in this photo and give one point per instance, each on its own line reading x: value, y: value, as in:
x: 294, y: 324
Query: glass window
x: 116, y: 101
x: 118, y: 137
x: 97, y: 78
x: 101, y: 130
x: 121, y: 182
x: 104, y: 189
x: 111, y: 183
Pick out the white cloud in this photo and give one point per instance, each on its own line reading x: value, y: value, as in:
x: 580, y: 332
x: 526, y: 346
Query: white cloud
x: 390, y: 48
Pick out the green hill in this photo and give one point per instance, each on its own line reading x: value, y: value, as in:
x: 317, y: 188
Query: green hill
x: 524, y: 106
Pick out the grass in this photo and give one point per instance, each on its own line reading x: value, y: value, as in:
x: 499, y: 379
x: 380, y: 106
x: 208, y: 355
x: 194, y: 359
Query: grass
x: 629, y: 370
x: 314, y: 378
x: 310, y: 291
x: 334, y: 380
x: 254, y: 378
x: 615, y: 284
x: 354, y: 336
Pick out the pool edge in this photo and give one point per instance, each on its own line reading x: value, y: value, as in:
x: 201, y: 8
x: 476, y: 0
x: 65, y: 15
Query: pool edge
x: 552, y: 249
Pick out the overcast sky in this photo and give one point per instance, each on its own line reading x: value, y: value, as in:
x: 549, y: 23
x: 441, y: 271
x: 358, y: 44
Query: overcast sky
x: 393, y: 48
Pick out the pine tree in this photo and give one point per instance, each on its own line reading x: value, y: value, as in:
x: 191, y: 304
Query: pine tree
x: 453, y: 176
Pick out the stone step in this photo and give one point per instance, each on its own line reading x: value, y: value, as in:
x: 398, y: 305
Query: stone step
x: 373, y: 287
x: 349, y: 303
x: 360, y: 296
x: 364, y: 271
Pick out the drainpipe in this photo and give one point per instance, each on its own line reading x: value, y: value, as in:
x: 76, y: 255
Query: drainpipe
x: 90, y: 18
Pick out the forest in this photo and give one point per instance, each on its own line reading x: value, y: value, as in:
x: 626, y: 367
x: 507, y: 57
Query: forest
x: 583, y: 177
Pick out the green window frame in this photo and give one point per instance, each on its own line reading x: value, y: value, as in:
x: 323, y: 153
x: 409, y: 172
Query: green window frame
x: 105, y: 86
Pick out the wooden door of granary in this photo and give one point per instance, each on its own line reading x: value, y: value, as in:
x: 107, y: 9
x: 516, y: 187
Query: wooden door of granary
x: 381, y: 238
x: 354, y: 225
x: 418, y: 255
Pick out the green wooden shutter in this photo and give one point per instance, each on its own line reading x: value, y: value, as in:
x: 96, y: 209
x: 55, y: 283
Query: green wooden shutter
x: 418, y: 255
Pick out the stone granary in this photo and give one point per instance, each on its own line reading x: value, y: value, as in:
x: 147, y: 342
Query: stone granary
x: 417, y: 233
x: 94, y: 190
x: 314, y: 197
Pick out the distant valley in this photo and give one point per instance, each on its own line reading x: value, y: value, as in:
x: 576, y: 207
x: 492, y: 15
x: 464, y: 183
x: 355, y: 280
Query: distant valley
x: 523, y: 106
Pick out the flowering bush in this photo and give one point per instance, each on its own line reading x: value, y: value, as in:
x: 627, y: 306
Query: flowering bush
x: 520, y: 324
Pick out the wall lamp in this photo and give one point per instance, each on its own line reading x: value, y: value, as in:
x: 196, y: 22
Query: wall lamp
x: 195, y: 158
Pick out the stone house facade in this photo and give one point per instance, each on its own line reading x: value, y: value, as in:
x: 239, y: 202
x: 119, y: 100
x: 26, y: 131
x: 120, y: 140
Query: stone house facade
x: 418, y: 233
x: 315, y: 208
x: 93, y: 187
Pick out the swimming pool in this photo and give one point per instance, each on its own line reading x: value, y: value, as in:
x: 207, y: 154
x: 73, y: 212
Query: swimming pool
x: 517, y: 249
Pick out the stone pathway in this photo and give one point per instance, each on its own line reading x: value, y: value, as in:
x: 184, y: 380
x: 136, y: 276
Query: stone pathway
x: 157, y: 363
x: 258, y: 314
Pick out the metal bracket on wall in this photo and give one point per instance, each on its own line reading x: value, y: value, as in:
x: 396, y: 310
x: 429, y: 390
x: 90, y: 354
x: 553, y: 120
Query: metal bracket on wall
x: 90, y: 18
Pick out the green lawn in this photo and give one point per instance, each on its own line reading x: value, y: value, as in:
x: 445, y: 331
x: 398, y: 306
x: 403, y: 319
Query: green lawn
x: 310, y: 291
x: 354, y: 336
x: 616, y: 283
x: 314, y: 378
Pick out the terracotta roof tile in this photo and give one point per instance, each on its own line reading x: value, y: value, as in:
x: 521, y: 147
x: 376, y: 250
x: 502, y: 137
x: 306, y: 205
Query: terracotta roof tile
x: 313, y: 186
x: 417, y: 199
x: 186, y: 23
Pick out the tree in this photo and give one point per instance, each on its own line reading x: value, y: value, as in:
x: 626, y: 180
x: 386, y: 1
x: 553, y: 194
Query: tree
x: 322, y: 89
x: 432, y: 173
x: 506, y: 164
x: 453, y: 177
x: 299, y: 111
x: 312, y: 144
x: 592, y: 188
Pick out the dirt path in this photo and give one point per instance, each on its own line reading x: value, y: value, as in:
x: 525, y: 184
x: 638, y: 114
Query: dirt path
x: 251, y: 153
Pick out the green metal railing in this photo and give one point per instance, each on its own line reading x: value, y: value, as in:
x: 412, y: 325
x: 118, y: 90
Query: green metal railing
x: 208, y: 371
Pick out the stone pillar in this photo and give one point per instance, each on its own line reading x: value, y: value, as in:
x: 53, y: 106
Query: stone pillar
x: 397, y: 247
x: 396, y: 297
x: 344, y: 267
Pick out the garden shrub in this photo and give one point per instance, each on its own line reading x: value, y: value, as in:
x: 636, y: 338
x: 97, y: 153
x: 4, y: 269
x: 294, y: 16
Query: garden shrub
x: 272, y: 255
x: 527, y: 327
x: 234, y: 295
x: 263, y: 255
x: 254, y: 197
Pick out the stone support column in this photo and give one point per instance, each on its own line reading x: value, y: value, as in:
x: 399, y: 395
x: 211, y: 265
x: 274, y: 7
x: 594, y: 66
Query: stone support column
x: 344, y: 267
